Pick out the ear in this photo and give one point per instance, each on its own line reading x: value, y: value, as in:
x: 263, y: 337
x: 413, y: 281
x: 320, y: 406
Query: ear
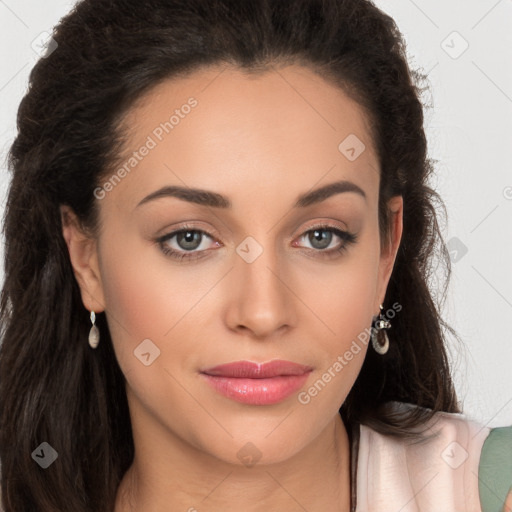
x: 390, y: 248
x: 84, y: 260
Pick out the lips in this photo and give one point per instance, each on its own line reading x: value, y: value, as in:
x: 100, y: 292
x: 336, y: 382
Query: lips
x: 252, y: 370
x: 257, y: 383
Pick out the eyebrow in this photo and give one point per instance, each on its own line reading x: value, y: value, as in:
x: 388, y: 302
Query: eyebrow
x: 216, y: 200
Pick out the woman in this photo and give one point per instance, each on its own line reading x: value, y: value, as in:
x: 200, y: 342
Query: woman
x: 218, y: 238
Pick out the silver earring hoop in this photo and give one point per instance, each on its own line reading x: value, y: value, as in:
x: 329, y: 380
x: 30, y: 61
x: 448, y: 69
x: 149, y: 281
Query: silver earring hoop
x: 94, y: 333
x: 380, y: 325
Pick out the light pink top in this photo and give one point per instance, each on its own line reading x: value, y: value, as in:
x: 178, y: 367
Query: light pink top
x: 437, y: 475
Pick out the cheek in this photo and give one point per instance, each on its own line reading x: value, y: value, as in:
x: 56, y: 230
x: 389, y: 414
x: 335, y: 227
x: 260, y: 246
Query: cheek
x: 345, y: 316
x: 341, y: 333
x: 149, y: 297
x: 343, y: 295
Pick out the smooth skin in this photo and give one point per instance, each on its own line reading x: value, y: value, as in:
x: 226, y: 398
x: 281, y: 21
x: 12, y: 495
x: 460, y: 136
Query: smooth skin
x: 261, y: 141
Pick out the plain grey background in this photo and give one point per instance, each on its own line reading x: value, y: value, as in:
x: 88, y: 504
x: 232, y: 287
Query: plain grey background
x: 466, y: 49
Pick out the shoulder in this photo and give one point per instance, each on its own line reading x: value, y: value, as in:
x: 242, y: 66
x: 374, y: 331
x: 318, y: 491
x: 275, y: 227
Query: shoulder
x: 436, y: 473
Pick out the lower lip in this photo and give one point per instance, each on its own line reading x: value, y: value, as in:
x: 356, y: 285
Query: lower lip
x: 266, y: 391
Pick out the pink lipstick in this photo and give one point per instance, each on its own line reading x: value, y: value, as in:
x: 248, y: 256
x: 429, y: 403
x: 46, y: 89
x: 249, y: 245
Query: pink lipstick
x: 257, y: 383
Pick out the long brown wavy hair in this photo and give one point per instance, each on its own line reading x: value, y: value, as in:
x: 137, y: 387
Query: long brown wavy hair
x: 53, y: 387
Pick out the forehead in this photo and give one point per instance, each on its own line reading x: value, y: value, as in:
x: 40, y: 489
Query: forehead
x: 220, y: 128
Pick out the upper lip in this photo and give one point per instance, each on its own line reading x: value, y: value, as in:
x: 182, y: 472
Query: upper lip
x: 251, y: 370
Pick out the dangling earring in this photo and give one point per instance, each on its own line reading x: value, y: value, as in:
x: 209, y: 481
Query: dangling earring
x: 380, y: 324
x: 94, y: 333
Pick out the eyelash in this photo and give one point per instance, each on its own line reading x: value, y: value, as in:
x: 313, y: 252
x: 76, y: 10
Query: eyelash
x: 347, y: 237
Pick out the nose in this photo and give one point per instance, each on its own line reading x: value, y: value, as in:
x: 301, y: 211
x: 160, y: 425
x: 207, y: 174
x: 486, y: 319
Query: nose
x: 260, y: 297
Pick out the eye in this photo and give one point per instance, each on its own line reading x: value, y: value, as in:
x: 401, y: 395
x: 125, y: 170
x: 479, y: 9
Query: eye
x: 188, y: 241
x: 321, y: 237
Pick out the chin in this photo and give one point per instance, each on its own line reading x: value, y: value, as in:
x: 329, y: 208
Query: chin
x: 251, y: 446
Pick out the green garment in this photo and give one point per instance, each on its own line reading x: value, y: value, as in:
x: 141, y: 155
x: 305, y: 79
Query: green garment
x: 495, y: 469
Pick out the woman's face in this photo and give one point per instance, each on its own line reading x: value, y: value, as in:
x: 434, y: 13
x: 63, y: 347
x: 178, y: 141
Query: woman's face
x: 252, y: 280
